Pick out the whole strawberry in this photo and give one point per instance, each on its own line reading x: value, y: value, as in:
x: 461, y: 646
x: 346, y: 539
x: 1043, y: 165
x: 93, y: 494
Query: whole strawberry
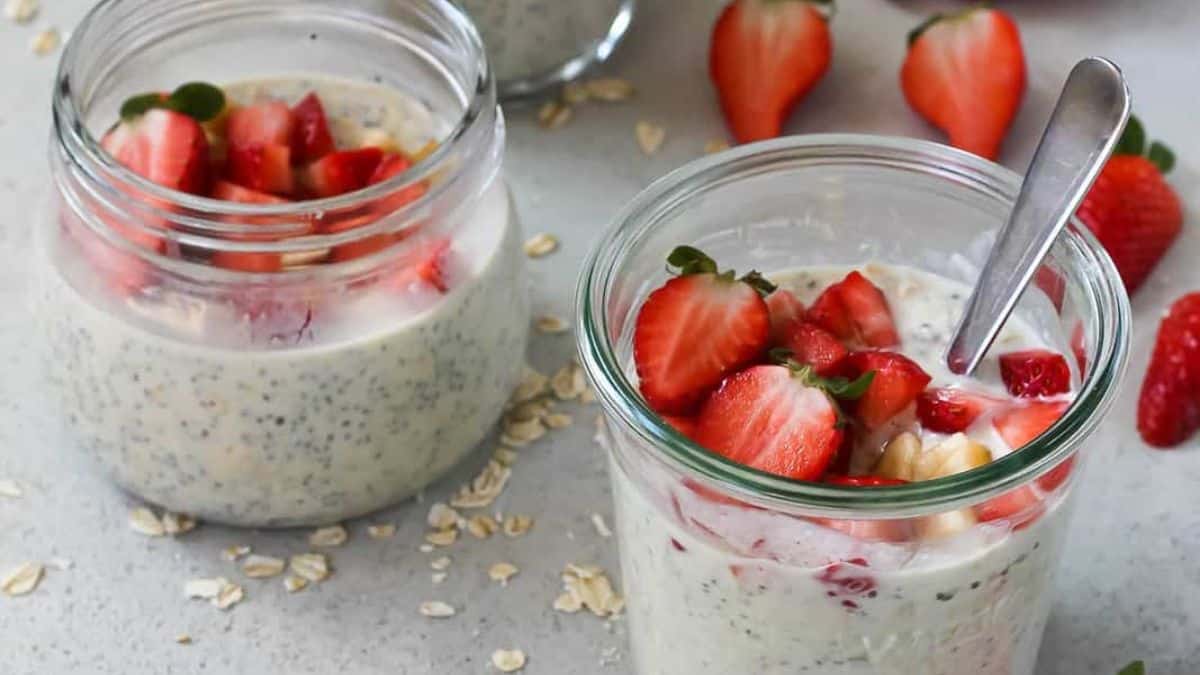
x: 1131, y: 208
x: 765, y: 56
x: 965, y: 73
x: 1169, y: 406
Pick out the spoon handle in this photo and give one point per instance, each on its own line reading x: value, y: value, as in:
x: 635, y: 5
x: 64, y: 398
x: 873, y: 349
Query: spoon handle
x: 1085, y: 125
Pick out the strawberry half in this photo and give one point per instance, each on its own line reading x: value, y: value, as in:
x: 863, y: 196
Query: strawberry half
x: 1035, y: 372
x: 261, y: 167
x: 813, y: 346
x: 311, y: 139
x: 697, y: 329
x: 341, y: 172
x: 1169, y: 404
x: 765, y: 56
x: 1020, y: 425
x: 786, y: 313
x: 856, y: 311
x: 965, y: 73
x: 1132, y: 209
x: 950, y: 411
x: 773, y: 419
x: 897, y: 383
x: 163, y: 146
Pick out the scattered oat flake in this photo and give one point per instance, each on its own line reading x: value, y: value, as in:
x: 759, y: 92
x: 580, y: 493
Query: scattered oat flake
x: 44, y: 41
x: 575, y: 93
x: 205, y: 589
x: 229, y: 595
x: 143, y: 521
x: 436, y: 609
x: 384, y: 531
x: 558, y: 421
x: 294, y: 584
x: 234, y: 553
x: 441, y: 563
x: 611, y: 89
x: 442, y: 537
x: 515, y: 526
x: 550, y: 324
x: 520, y: 433
x: 485, y: 487
x: 22, y: 580
x: 176, y: 524
x: 715, y: 145
x: 569, y: 382
x: 262, y: 566
x: 21, y: 11
x: 9, y: 488
x: 505, y: 456
x: 502, y: 572
x: 541, y: 245
x: 588, y: 396
x: 592, y: 588
x: 482, y: 527
x: 438, y: 577
x: 183, y: 639
x: 425, y: 548
x: 553, y: 114
x: 311, y: 566
x: 649, y: 136
x: 601, y: 526
x: 533, y: 384
x: 568, y: 602
x: 328, y: 537
x: 508, y: 660
x: 442, y: 517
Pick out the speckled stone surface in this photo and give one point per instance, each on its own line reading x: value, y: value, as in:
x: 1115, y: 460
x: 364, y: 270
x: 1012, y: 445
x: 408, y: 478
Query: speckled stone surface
x: 1129, y: 587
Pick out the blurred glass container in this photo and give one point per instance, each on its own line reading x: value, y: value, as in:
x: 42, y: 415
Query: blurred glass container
x: 537, y: 44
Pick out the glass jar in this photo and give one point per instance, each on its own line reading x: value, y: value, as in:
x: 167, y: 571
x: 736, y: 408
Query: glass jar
x: 535, y: 44
x: 383, y: 342
x: 757, y: 573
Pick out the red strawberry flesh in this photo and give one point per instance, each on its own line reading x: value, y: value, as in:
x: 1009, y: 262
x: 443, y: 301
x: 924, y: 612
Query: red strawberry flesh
x: 1020, y: 425
x: 341, y: 172
x: 949, y: 411
x: 311, y: 139
x: 855, y: 310
x: 812, y: 345
x: 897, y: 383
x: 786, y: 313
x: 164, y: 147
x: 1169, y: 403
x: 267, y: 123
x: 1034, y: 373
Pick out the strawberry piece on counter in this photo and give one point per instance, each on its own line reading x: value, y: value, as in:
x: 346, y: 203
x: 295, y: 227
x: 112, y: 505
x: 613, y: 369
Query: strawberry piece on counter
x: 897, y: 383
x: 948, y: 410
x: 341, y: 172
x: 965, y: 73
x: 814, y: 346
x: 261, y: 167
x: 765, y: 56
x: 856, y: 311
x: 1035, y: 372
x: 267, y: 123
x: 1020, y: 425
x: 163, y: 146
x: 786, y: 312
x: 1169, y: 404
x: 311, y: 139
x: 696, y: 329
x: 773, y: 419
x: 1132, y: 209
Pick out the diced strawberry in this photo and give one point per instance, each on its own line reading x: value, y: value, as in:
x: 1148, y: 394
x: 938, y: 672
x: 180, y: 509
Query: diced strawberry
x: 1035, y: 372
x: 786, y: 313
x: 1020, y: 425
x: 814, y: 346
x: 694, y: 331
x: 855, y: 310
x: 686, y: 426
x: 769, y: 418
x: 1055, y: 477
x: 895, y: 530
x: 392, y: 165
x: 1052, y: 284
x: 163, y: 146
x: 341, y: 172
x: 949, y: 411
x: 231, y: 192
x: 311, y: 139
x: 259, y: 167
x: 898, y: 382
x: 248, y: 261
x: 1169, y: 403
x: 863, y: 481
x: 267, y: 123
x: 361, y: 248
x: 1020, y: 507
x: 427, y: 263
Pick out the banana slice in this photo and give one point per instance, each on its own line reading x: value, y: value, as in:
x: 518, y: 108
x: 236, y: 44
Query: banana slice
x: 899, y: 457
x: 954, y: 455
x: 945, y: 525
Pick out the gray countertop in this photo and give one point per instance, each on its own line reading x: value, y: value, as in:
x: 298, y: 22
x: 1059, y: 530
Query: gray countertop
x: 1129, y: 587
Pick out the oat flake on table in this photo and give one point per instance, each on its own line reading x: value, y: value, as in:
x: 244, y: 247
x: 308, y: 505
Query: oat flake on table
x: 533, y: 384
x: 601, y: 526
x: 508, y: 660
x: 442, y: 538
x: 610, y: 89
x: 502, y: 572
x: 9, y: 488
x: 575, y: 93
x: 262, y: 566
x: 176, y: 524
x: 21, y: 11
x: 505, y: 456
x: 294, y: 584
x: 442, y: 517
x: 234, y: 553
x: 45, y: 41
x: 183, y: 639
x: 649, y: 136
x: 715, y: 145
x: 311, y: 566
x: 540, y: 245
x: 569, y: 382
x: 591, y: 588
x: 143, y: 521
x: 517, y: 525
x: 550, y: 325
x: 484, y: 488
x: 440, y: 564
x: 22, y: 580
x: 554, y: 115
x: 435, y: 609
x: 482, y: 526
x: 328, y: 537
x: 383, y: 531
x: 520, y: 433
x: 558, y: 421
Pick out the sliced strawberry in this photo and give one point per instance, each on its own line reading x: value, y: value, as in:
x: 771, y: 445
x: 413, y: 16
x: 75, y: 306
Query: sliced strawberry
x: 1035, y: 372
x: 267, y: 123
x: 965, y: 73
x: 897, y: 383
x: 1052, y: 284
x: 427, y: 263
x: 1020, y: 507
x: 695, y: 330
x: 1055, y: 477
x: 341, y: 172
x: 786, y: 313
x: 771, y: 419
x: 686, y: 426
x: 765, y: 56
x: 392, y: 165
x: 311, y: 139
x: 1169, y: 403
x: 863, y: 481
x: 231, y: 192
x: 259, y: 167
x: 947, y: 410
x: 248, y: 261
x: 855, y: 310
x: 814, y: 346
x: 163, y: 146
x: 1020, y: 425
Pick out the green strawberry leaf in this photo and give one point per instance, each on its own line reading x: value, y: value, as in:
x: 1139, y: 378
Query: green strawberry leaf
x: 1135, y: 668
x: 199, y: 100
x: 1161, y: 156
x: 688, y: 260
x: 850, y: 390
x: 759, y: 283
x: 139, y: 105
x: 1133, y: 139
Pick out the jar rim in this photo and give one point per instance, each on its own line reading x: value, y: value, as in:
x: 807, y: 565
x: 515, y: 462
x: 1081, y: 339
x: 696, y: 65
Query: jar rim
x: 624, y: 405
x: 206, y: 214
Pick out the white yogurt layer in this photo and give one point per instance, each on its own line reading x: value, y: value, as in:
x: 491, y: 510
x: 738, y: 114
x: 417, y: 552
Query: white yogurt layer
x: 717, y: 587
x: 286, y: 419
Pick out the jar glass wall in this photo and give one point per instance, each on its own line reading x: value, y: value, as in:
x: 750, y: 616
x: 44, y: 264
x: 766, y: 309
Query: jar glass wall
x: 297, y: 362
x: 759, y: 573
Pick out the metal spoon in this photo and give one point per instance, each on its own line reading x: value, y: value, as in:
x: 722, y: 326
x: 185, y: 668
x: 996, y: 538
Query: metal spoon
x: 1083, y: 129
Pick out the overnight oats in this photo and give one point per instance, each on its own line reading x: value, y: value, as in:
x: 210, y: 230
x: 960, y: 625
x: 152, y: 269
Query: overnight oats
x: 801, y: 484
x: 287, y: 299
